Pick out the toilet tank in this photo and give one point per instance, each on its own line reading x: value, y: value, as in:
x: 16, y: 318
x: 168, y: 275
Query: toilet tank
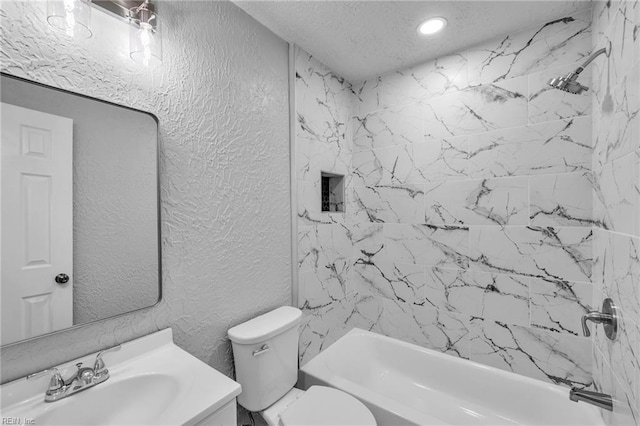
x: 265, y: 352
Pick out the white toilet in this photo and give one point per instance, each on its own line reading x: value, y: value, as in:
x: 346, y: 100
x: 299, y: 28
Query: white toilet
x: 265, y: 350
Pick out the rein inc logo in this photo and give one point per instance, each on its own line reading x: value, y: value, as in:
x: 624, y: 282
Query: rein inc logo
x: 17, y: 421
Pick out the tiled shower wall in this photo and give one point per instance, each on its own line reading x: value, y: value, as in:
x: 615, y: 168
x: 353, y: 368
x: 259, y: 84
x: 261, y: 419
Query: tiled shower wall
x: 468, y: 222
x: 322, y: 144
x: 616, y: 165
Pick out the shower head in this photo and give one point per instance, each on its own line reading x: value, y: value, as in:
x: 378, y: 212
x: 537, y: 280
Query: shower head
x: 569, y: 82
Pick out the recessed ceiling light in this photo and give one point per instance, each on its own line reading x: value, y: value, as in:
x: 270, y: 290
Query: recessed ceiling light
x: 432, y: 26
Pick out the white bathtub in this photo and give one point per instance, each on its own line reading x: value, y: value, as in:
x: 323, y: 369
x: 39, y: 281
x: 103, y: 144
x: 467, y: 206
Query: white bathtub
x: 404, y: 384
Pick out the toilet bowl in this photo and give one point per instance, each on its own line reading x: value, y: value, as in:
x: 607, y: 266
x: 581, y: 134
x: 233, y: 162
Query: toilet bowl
x: 318, y: 406
x: 265, y: 352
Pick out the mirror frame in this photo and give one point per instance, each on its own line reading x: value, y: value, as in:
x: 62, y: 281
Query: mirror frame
x: 158, y: 209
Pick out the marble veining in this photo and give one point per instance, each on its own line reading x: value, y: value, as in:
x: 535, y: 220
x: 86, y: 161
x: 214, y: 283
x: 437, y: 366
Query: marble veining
x: 367, y: 239
x: 555, y: 147
x: 441, y: 159
x: 618, y: 131
x: 616, y: 200
x: 427, y: 244
x: 403, y: 282
x: 566, y: 39
x: 367, y: 96
x: 425, y: 326
x: 388, y: 128
x: 328, y: 261
x: 616, y: 203
x: 562, y: 200
x: 479, y: 294
x: 477, y: 202
x: 391, y: 204
x: 386, y: 166
x: 562, y: 254
x: 617, y: 263
x: 436, y: 78
x: 477, y: 109
x: 534, y: 353
x: 557, y: 306
x: 468, y: 207
x: 323, y: 142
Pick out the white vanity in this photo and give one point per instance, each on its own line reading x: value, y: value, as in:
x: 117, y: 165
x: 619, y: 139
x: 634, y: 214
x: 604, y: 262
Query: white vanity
x: 152, y: 382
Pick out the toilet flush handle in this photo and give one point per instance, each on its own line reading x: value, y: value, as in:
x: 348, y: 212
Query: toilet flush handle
x: 264, y: 348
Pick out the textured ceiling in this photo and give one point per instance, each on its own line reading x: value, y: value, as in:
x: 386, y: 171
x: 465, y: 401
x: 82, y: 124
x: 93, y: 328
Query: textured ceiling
x: 361, y: 39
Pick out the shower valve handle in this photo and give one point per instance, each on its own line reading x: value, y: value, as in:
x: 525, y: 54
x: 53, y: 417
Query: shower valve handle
x: 596, y: 317
x: 608, y: 317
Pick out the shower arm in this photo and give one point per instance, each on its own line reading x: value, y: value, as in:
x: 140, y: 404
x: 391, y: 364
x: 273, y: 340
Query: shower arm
x: 591, y: 58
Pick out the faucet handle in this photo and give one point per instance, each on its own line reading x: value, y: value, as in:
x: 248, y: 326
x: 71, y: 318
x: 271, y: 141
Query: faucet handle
x: 593, y: 316
x: 98, y: 366
x: 56, y: 382
x: 608, y: 317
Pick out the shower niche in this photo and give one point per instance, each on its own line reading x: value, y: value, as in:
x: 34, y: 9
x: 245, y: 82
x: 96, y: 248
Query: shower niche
x: 332, y: 192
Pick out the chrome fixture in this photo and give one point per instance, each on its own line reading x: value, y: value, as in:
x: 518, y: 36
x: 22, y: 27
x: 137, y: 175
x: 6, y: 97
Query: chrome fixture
x: 145, y: 41
x: 594, y: 398
x: 120, y: 8
x: 264, y: 348
x: 569, y: 83
x: 608, y: 318
x: 84, y: 378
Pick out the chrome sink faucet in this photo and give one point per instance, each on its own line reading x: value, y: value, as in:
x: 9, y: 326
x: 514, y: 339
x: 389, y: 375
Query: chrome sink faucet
x: 84, y: 378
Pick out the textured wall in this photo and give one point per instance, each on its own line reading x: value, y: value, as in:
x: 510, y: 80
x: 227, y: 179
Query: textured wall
x: 221, y: 96
x: 468, y: 216
x: 616, y: 166
x: 114, y: 200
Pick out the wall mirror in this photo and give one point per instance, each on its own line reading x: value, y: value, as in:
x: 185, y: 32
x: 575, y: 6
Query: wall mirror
x: 79, y: 217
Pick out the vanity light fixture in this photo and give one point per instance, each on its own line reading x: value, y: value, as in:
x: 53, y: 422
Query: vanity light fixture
x: 432, y: 26
x: 145, y: 43
x: 72, y: 17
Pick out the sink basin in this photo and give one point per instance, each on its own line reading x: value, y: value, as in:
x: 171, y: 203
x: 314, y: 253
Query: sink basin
x: 141, y: 397
x: 153, y: 382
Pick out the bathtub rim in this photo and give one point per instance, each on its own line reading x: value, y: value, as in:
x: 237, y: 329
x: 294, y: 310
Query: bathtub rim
x: 315, y: 371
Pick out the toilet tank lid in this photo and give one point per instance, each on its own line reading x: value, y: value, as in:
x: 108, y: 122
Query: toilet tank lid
x: 265, y: 326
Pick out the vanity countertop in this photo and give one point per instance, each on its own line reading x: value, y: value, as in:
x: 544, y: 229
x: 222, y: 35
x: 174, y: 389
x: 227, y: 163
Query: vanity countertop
x: 152, y: 381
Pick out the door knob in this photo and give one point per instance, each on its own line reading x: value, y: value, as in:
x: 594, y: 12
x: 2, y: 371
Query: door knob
x: 62, y: 278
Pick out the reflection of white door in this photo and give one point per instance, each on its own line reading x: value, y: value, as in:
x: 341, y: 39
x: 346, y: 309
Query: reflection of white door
x: 36, y: 223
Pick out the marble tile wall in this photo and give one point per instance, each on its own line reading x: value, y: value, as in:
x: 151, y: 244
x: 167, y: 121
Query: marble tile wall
x: 616, y: 203
x: 469, y: 217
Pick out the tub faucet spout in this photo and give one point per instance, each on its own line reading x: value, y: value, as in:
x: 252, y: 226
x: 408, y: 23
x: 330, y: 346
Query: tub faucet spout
x: 594, y: 398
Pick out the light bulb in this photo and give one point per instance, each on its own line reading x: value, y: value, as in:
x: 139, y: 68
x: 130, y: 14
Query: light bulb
x: 145, y: 44
x: 146, y: 40
x: 69, y: 17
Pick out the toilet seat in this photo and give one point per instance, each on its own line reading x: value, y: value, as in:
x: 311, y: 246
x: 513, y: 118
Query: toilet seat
x: 323, y: 406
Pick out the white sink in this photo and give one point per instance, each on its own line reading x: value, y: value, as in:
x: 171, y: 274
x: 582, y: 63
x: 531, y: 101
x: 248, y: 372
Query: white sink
x: 144, y: 397
x: 152, y: 382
